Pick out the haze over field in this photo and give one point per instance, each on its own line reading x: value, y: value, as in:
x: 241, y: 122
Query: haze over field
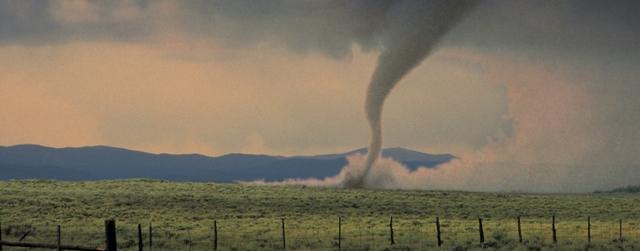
x: 530, y: 95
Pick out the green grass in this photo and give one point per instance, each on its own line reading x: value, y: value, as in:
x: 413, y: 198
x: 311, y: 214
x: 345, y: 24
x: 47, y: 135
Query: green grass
x: 249, y: 216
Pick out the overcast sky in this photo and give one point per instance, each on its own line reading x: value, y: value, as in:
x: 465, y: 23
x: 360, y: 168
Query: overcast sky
x: 289, y: 77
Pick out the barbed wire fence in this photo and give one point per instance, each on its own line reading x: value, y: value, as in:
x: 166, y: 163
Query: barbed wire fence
x: 337, y: 233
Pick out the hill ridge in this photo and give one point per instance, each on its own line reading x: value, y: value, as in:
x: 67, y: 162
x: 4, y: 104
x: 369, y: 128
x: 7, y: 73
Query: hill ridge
x: 27, y: 161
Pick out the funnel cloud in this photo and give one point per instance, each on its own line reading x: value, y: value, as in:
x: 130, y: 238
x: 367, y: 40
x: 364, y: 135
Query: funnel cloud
x: 413, y: 31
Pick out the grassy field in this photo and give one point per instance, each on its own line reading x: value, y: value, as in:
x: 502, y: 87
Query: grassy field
x: 249, y: 217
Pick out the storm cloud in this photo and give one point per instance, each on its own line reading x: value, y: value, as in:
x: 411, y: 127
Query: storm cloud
x: 568, y: 70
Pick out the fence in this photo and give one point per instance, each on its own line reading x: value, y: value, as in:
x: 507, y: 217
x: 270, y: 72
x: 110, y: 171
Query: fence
x: 339, y: 233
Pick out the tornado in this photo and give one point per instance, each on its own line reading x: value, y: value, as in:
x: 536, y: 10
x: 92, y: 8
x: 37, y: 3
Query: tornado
x: 412, y: 29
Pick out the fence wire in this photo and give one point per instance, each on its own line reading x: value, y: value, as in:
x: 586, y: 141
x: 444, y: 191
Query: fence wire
x: 353, y: 233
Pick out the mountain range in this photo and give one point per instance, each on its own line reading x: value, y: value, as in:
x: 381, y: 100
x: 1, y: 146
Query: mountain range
x: 105, y: 162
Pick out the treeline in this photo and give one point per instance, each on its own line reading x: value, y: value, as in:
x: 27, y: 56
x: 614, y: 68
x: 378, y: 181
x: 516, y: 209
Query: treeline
x: 626, y: 189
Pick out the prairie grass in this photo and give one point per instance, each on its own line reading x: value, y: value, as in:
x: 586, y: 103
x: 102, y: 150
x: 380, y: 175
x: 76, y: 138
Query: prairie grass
x: 249, y: 217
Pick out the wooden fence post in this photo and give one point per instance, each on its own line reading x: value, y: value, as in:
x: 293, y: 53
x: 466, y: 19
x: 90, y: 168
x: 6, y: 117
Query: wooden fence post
x: 140, y: 245
x: 110, y: 233
x: 438, y: 231
x: 481, y: 230
x: 519, y: 230
x: 58, y: 239
x: 189, y: 242
x: 215, y: 235
x: 150, y: 237
x: 391, y: 230
x: 284, y: 237
x: 620, y: 237
x: 589, y: 229
x: 339, y: 233
x: 553, y: 228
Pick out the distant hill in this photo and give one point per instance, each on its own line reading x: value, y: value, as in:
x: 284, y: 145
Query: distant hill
x: 410, y: 158
x: 104, y: 162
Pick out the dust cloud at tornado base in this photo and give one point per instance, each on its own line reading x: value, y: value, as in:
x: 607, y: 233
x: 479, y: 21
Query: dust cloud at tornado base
x: 561, y: 140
